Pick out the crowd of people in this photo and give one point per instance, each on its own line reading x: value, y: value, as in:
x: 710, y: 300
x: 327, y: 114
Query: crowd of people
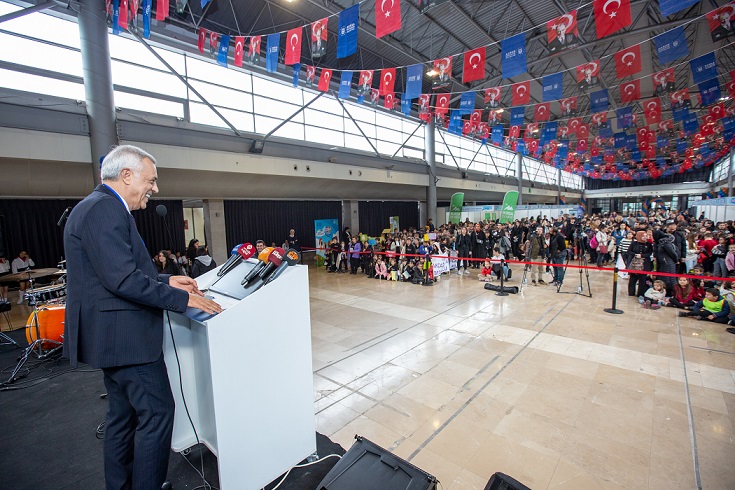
x: 654, y: 249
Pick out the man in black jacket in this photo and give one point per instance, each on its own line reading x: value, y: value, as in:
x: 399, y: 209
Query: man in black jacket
x: 464, y: 245
x: 557, y: 252
x: 680, y: 243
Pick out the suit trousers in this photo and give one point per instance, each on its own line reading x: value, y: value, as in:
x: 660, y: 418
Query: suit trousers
x: 139, y: 424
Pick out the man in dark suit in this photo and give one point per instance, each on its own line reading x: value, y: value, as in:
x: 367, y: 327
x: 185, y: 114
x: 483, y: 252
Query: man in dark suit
x: 115, y: 299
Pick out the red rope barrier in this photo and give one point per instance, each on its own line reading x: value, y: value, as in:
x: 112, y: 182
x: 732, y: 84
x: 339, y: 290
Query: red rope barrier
x: 544, y: 264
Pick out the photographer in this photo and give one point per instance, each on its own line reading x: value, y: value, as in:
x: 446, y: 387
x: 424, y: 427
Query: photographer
x: 536, y: 250
x: 557, y: 252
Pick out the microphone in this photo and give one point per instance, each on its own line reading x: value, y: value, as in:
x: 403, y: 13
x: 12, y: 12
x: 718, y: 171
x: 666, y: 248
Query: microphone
x: 233, y: 257
x: 292, y: 258
x: 274, y: 260
x: 255, y: 271
x: 162, y: 212
x: 64, y: 216
x: 244, y: 252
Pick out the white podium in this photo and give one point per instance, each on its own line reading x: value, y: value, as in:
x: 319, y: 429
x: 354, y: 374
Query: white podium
x: 247, y: 379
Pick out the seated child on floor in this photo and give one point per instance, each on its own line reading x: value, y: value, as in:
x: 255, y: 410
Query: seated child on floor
x: 685, y: 294
x: 381, y: 271
x: 486, y: 274
x: 713, y: 307
x: 655, y: 296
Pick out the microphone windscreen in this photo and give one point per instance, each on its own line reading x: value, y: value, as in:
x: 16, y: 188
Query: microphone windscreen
x: 246, y: 251
x: 161, y: 210
x: 292, y: 257
x: 263, y: 255
x: 276, y: 256
x: 235, y: 248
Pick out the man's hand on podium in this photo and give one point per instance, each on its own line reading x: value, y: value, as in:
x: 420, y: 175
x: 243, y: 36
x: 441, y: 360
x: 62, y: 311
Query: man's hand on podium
x: 204, y: 304
x: 186, y: 283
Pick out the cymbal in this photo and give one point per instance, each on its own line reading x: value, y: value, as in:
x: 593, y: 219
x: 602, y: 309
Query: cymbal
x: 32, y: 274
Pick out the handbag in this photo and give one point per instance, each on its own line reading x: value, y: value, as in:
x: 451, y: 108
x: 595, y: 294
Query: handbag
x: 636, y: 264
x: 603, y: 249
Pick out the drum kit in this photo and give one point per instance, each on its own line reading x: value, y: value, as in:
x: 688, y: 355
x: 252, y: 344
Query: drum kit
x: 45, y: 325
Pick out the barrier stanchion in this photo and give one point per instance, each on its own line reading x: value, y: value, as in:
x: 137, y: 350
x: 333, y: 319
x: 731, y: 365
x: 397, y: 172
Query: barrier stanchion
x: 614, y: 310
x: 502, y: 276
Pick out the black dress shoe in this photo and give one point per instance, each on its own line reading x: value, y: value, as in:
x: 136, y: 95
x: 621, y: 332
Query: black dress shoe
x: 166, y: 485
x: 730, y: 329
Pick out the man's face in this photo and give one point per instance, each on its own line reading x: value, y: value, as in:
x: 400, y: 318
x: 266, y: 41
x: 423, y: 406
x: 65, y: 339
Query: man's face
x: 259, y: 247
x: 141, y: 185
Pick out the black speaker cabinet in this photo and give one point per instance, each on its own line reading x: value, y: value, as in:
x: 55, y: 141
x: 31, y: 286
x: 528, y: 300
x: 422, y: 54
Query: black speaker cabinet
x: 367, y: 466
x: 501, y: 481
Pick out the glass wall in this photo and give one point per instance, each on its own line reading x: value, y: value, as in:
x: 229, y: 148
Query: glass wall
x: 50, y: 64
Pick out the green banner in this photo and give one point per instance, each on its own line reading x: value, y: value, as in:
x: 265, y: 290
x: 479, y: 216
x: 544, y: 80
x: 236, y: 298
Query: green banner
x: 509, y: 206
x: 455, y: 207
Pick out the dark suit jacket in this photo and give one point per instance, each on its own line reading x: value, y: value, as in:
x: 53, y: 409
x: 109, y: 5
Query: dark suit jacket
x: 114, y: 293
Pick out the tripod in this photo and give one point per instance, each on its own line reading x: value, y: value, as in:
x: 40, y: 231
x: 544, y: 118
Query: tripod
x: 582, y: 262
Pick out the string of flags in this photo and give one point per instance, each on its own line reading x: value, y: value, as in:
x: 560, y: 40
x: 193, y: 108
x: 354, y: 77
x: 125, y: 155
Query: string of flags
x: 551, y: 142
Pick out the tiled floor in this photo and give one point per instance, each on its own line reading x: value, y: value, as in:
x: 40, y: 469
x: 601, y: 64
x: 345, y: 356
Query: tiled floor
x: 545, y: 387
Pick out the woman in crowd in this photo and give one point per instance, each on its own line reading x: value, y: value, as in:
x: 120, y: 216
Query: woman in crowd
x: 167, y: 265
x: 202, y: 263
x: 639, y: 258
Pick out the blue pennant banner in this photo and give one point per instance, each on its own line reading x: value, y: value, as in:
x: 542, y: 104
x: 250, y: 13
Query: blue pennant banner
x: 514, y: 55
x: 671, y: 45
x: 347, y: 31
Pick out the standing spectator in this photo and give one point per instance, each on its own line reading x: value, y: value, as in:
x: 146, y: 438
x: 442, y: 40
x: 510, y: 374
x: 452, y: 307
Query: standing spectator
x: 430, y: 226
x: 479, y: 250
x: 639, y: 259
x: 719, y: 254
x: 202, y: 263
x: 557, y: 253
x: 292, y: 241
x: 355, y: 250
x: 463, y: 248
x: 536, y: 251
x: 22, y: 263
x: 191, y: 251
x: 680, y: 243
x: 730, y: 261
x: 667, y: 258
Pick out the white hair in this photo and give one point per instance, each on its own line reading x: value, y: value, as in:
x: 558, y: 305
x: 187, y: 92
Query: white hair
x: 123, y: 156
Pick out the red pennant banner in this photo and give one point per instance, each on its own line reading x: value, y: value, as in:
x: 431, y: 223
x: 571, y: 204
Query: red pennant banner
x: 652, y: 111
x: 425, y: 107
x: 134, y: 6
x: 531, y: 129
x: 122, y: 18
x: 562, y: 32
x: 611, y: 16
x: 582, y: 145
x: 239, y: 49
x: 387, y: 17
x: 474, y: 65
x: 319, y: 37
x: 717, y: 111
x: 213, y: 40
x: 630, y: 91
x: 542, y: 112
x: 442, y: 104
x: 680, y: 98
x: 365, y: 83
x: 492, y: 97
x: 731, y: 89
x: 476, y: 116
x: 568, y: 106
x: 521, y: 94
x: 628, y: 61
x: 310, y: 75
x: 514, y: 131
x: 324, y: 78
x: 663, y: 81
x: 202, y: 39
x: 254, y: 49
x: 162, y: 10
x: 588, y: 75
x: 642, y: 135
x: 387, y: 81
x: 388, y: 101
x: 562, y: 132
x: 293, y: 46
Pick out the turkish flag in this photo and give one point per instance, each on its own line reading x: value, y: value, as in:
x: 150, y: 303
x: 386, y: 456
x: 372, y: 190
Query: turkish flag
x: 532, y: 145
x: 442, y: 104
x: 568, y: 105
x: 630, y: 91
x: 476, y: 116
x: 239, y: 49
x: 514, y: 131
x: 388, y: 100
x: 521, y: 93
x: 122, y: 18
x: 628, y: 61
x: 466, y: 128
x: 474, y: 65
x: 651, y: 151
x: 293, y: 46
x: 213, y: 41
x: 202, y: 39
x: 563, y: 132
x: 530, y: 129
x: 387, y: 81
x: 611, y: 16
x: 717, y: 111
x: 162, y: 10
x: 387, y: 17
x: 324, y: 78
x: 542, y: 112
x: 642, y: 134
x: 573, y: 124
x: 731, y: 89
x: 584, y: 131
x: 582, y: 146
x: 254, y: 47
x: 652, y: 111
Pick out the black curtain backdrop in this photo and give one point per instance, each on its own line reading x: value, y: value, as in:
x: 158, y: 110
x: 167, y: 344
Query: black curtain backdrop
x: 375, y: 215
x: 270, y: 221
x: 30, y: 224
x: 698, y: 174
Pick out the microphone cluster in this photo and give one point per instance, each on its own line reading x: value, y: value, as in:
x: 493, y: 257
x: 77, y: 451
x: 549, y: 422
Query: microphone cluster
x: 269, y: 268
